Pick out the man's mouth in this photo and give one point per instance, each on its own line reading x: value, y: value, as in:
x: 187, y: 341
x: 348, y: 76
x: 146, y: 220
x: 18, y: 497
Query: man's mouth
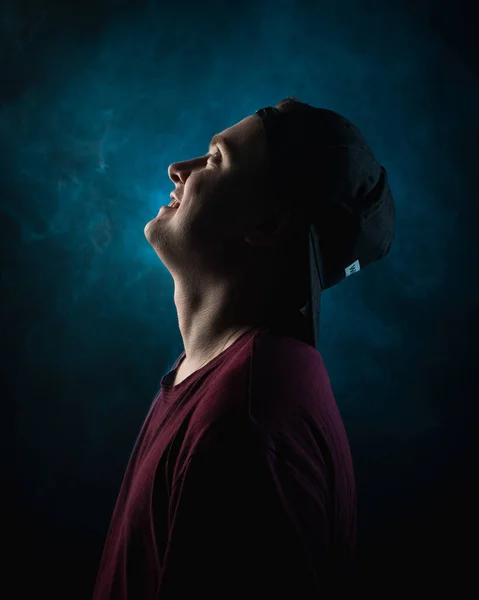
x: 174, y: 203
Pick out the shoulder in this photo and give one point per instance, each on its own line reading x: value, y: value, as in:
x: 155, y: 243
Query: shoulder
x: 280, y: 361
x: 289, y: 387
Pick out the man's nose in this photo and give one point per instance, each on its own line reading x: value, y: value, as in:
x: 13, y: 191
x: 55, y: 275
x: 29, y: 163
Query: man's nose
x: 177, y: 174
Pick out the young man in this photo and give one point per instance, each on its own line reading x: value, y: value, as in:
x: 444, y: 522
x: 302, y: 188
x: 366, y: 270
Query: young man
x: 241, y: 482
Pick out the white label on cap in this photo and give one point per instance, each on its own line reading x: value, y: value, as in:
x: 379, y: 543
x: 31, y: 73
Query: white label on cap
x: 354, y: 268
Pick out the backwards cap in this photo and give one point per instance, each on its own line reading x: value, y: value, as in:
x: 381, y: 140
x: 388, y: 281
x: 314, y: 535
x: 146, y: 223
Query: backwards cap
x: 349, y: 206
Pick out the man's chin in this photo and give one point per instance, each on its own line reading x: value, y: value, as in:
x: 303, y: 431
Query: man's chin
x: 149, y: 231
x: 158, y: 237
x: 153, y: 233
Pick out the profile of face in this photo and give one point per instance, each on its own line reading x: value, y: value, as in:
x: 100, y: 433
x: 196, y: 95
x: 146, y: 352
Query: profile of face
x: 224, y: 206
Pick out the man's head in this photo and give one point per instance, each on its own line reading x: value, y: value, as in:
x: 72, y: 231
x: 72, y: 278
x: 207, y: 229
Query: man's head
x: 291, y: 187
x: 231, y: 224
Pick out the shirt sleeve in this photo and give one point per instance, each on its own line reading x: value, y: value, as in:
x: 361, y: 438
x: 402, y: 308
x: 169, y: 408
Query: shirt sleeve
x: 231, y: 533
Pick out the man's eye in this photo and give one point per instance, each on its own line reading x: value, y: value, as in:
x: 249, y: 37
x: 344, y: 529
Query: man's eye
x: 215, y: 156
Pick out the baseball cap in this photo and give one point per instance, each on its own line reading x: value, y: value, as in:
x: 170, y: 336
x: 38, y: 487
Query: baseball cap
x: 349, y: 204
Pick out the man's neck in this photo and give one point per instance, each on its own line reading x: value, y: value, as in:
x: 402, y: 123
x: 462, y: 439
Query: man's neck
x: 187, y: 368
x: 209, y: 322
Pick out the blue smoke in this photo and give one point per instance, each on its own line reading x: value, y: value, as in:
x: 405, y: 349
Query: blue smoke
x: 106, y: 103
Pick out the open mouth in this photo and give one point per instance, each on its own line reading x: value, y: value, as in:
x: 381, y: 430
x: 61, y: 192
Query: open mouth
x: 174, y: 203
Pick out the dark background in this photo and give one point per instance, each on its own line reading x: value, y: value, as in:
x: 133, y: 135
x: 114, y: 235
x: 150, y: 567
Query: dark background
x: 97, y: 98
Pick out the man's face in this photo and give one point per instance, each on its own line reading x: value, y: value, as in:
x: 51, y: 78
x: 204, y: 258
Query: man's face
x: 222, y: 198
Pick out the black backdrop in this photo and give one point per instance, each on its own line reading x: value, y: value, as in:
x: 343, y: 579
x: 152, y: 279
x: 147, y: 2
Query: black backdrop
x: 97, y: 98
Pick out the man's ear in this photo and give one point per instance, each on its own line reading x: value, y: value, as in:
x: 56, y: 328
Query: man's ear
x: 271, y: 230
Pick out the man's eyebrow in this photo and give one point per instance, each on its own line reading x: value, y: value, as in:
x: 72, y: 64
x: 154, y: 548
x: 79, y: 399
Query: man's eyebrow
x: 219, y: 140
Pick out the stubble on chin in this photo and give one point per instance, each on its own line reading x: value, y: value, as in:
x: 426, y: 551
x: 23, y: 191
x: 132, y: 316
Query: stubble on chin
x: 149, y: 231
x: 157, y: 237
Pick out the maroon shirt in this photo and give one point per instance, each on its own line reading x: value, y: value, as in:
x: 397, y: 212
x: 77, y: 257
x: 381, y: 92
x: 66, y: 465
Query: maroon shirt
x: 240, y: 484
